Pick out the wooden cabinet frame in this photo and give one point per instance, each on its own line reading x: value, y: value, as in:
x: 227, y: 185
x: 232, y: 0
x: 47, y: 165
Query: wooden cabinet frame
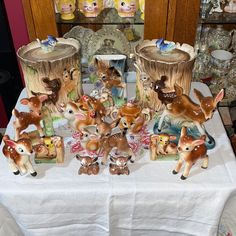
x: 175, y: 20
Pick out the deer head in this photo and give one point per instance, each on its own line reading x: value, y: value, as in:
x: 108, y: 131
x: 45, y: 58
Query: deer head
x: 120, y: 161
x: 86, y: 160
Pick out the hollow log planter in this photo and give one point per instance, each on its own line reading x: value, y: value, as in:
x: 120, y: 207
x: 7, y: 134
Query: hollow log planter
x: 56, y: 73
x: 176, y: 65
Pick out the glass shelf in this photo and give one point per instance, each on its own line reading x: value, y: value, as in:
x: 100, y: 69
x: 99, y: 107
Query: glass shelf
x: 219, y: 18
x: 108, y: 16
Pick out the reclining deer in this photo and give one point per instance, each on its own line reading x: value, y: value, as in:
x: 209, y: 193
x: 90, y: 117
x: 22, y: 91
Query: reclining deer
x: 183, y: 107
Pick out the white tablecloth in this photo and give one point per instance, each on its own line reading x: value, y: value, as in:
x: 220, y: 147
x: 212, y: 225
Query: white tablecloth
x: 150, y: 201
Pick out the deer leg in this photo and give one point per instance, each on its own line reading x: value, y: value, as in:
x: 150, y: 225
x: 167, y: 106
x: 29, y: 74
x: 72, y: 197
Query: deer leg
x: 30, y: 168
x: 187, y: 169
x: 105, y: 156
x: 22, y: 169
x: 205, y: 162
x: 132, y: 155
x: 13, y: 167
x: 178, y: 166
x: 163, y: 115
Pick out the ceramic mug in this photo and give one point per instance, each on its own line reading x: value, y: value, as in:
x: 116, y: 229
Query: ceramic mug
x: 126, y: 8
x: 221, y: 59
x: 90, y: 8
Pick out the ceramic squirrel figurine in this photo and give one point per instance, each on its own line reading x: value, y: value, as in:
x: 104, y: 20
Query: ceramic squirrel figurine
x: 190, y: 150
x: 18, y: 154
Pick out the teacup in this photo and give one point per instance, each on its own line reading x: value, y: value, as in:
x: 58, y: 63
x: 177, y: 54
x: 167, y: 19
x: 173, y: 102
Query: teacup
x: 221, y: 59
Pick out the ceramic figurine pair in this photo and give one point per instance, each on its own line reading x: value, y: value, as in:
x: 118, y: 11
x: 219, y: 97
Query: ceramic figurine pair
x: 90, y: 166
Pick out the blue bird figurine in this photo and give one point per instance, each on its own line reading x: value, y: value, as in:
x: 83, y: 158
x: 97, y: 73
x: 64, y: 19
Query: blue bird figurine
x: 48, y: 44
x: 165, y: 47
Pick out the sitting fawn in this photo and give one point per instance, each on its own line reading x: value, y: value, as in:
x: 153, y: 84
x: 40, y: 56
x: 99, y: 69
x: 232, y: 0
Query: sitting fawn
x: 190, y: 150
x: 18, y: 154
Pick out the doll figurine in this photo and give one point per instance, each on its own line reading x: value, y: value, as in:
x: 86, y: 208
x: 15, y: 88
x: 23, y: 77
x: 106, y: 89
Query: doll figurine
x: 89, y: 165
x: 126, y: 8
x: 119, y: 165
x: 91, y: 8
x: 18, y: 153
x: 190, y: 150
x: 66, y: 9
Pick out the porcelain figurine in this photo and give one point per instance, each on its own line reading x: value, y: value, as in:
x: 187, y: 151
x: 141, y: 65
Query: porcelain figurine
x: 132, y: 117
x: 182, y: 107
x: 126, y: 8
x: 165, y: 47
x: 161, y: 145
x: 91, y: 8
x: 142, y: 8
x: 190, y: 150
x: 48, y: 44
x: 215, y: 6
x: 119, y: 165
x: 24, y: 119
x: 231, y: 7
x: 47, y: 122
x: 66, y: 8
x: 89, y: 165
x: 18, y: 153
x: 49, y: 150
x: 159, y: 86
x: 117, y: 141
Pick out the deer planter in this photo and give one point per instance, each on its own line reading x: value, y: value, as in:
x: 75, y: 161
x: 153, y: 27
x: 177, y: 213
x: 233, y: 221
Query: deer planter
x: 190, y: 150
x: 183, y: 108
x: 18, y: 154
x: 24, y: 119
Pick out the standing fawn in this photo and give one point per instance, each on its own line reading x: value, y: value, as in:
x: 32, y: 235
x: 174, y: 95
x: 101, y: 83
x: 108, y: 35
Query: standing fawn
x: 190, y: 150
x: 18, y: 154
x: 183, y: 107
x: 24, y: 119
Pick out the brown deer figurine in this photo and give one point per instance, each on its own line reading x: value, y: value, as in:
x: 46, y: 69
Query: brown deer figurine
x: 24, y: 119
x: 190, y: 150
x: 18, y: 153
x: 119, y: 165
x: 89, y: 165
x: 183, y: 107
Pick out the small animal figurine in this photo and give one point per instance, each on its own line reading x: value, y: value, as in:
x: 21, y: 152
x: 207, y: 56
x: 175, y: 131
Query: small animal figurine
x: 24, y: 119
x: 165, y: 47
x: 161, y: 145
x: 89, y: 165
x: 183, y: 107
x: 118, y: 141
x: 164, y: 97
x: 190, y: 150
x: 215, y: 6
x: 231, y: 7
x: 18, y: 153
x: 48, y: 44
x: 145, y: 79
x: 119, y: 165
x: 66, y: 9
x: 91, y: 8
x: 126, y: 8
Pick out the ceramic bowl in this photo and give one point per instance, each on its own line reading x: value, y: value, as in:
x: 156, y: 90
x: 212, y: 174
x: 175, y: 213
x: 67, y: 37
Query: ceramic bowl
x: 221, y: 59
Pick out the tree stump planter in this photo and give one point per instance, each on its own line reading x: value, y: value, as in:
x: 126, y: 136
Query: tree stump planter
x: 176, y: 65
x: 56, y: 73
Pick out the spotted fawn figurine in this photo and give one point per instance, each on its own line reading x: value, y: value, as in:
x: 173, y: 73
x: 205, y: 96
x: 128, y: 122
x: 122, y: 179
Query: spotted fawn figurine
x: 18, y: 154
x: 89, y: 165
x: 48, y: 44
x: 119, y: 165
x: 24, y: 119
x: 161, y: 145
x: 184, y: 108
x: 190, y: 150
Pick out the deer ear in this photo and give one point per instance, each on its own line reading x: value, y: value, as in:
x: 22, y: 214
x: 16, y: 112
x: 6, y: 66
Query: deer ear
x: 113, y: 159
x: 198, y: 94
x: 42, y: 98
x: 198, y: 142
x: 24, y: 101
x: 95, y: 159
x: 10, y: 143
x: 164, y: 78
x: 178, y: 90
x: 219, y: 96
x: 115, y: 71
x: 183, y: 131
x: 115, y: 123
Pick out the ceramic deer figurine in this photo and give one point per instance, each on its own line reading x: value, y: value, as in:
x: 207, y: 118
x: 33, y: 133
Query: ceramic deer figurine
x: 18, y: 153
x: 119, y: 165
x: 118, y: 141
x: 24, y: 119
x: 190, y: 150
x: 89, y: 165
x: 161, y: 144
x: 183, y: 107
